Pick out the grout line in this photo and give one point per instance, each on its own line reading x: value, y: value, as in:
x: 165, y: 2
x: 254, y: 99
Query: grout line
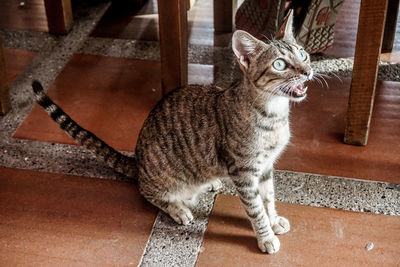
x: 339, y: 177
x: 333, y: 192
x: 25, y: 39
x: 343, y: 67
x: 149, y: 240
x: 171, y: 244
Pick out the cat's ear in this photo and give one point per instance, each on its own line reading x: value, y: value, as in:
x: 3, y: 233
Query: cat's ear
x: 286, y: 30
x: 243, y: 45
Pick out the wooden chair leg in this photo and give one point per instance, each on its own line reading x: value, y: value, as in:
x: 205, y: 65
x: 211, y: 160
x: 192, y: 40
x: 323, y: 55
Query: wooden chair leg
x: 362, y: 91
x: 390, y: 26
x: 4, y: 89
x: 223, y: 15
x: 59, y: 16
x: 173, y: 43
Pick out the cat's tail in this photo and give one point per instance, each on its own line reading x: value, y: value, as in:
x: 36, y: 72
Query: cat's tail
x: 119, y: 162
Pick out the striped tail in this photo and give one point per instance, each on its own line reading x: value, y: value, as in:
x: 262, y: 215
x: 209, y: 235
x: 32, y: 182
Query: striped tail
x: 119, y: 162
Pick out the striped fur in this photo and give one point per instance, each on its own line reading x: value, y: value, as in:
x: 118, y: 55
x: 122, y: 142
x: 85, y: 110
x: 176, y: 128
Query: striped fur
x: 198, y: 134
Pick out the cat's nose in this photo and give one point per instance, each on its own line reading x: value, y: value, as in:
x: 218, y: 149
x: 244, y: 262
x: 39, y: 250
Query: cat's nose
x: 308, y: 73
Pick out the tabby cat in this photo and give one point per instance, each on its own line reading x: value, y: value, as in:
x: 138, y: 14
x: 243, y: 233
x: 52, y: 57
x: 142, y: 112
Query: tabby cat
x: 198, y: 134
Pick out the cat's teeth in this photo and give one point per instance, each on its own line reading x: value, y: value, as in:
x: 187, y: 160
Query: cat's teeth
x: 300, y: 90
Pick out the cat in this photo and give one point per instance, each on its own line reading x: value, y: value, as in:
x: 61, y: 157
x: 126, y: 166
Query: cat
x: 198, y: 134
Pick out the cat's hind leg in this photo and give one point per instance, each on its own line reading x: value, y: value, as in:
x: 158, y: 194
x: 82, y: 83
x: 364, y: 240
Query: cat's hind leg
x: 178, y: 205
x: 174, y: 204
x: 180, y: 213
x: 176, y: 209
x: 214, y: 185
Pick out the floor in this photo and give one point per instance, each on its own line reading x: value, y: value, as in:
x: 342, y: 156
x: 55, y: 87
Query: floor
x: 53, y: 212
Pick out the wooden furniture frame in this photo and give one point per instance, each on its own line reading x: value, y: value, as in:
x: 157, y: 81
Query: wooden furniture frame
x: 174, y: 34
x: 4, y: 90
x: 172, y: 17
x: 370, y: 34
x: 59, y: 16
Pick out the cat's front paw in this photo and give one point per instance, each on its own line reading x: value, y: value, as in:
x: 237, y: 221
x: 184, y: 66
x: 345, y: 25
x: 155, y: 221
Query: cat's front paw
x: 281, y: 226
x: 270, y: 245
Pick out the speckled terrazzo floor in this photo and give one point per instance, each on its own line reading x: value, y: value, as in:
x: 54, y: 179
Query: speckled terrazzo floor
x: 167, y: 244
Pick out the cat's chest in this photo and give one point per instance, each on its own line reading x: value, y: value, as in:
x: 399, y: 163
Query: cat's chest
x: 275, y: 139
x: 276, y: 125
x: 270, y: 146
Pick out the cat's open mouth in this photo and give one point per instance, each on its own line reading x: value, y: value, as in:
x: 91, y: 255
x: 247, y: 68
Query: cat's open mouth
x: 297, y: 90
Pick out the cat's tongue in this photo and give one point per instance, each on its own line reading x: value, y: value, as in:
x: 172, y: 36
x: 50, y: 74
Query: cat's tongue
x: 299, y: 90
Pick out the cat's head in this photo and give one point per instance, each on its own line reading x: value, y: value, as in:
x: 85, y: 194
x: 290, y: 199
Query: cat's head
x: 278, y: 67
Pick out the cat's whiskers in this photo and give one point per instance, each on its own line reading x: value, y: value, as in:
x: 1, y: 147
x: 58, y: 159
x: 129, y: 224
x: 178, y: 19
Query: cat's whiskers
x: 318, y: 80
x: 334, y: 75
x: 321, y: 76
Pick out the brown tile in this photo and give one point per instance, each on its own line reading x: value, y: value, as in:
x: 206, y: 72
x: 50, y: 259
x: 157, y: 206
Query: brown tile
x: 393, y: 57
x: 318, y: 126
x: 16, y: 61
x: 108, y: 96
x: 318, y: 237
x: 51, y: 219
x: 30, y: 17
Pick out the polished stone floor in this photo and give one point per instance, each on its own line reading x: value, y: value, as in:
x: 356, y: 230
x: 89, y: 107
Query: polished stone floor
x: 59, y: 205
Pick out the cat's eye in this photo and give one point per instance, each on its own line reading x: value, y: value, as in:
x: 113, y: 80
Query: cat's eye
x: 279, y: 64
x: 303, y: 55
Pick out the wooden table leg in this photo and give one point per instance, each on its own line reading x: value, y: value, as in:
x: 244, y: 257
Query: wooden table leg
x: 59, y: 16
x: 223, y: 15
x: 362, y: 91
x: 4, y: 89
x: 173, y: 43
x: 390, y: 26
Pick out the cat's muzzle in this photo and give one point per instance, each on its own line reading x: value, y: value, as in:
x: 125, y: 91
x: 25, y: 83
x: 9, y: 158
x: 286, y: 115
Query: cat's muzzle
x: 298, y: 91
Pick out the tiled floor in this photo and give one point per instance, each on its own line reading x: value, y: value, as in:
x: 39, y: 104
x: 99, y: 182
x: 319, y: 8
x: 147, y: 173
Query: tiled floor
x: 50, y: 219
x: 318, y: 237
x: 56, y: 219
